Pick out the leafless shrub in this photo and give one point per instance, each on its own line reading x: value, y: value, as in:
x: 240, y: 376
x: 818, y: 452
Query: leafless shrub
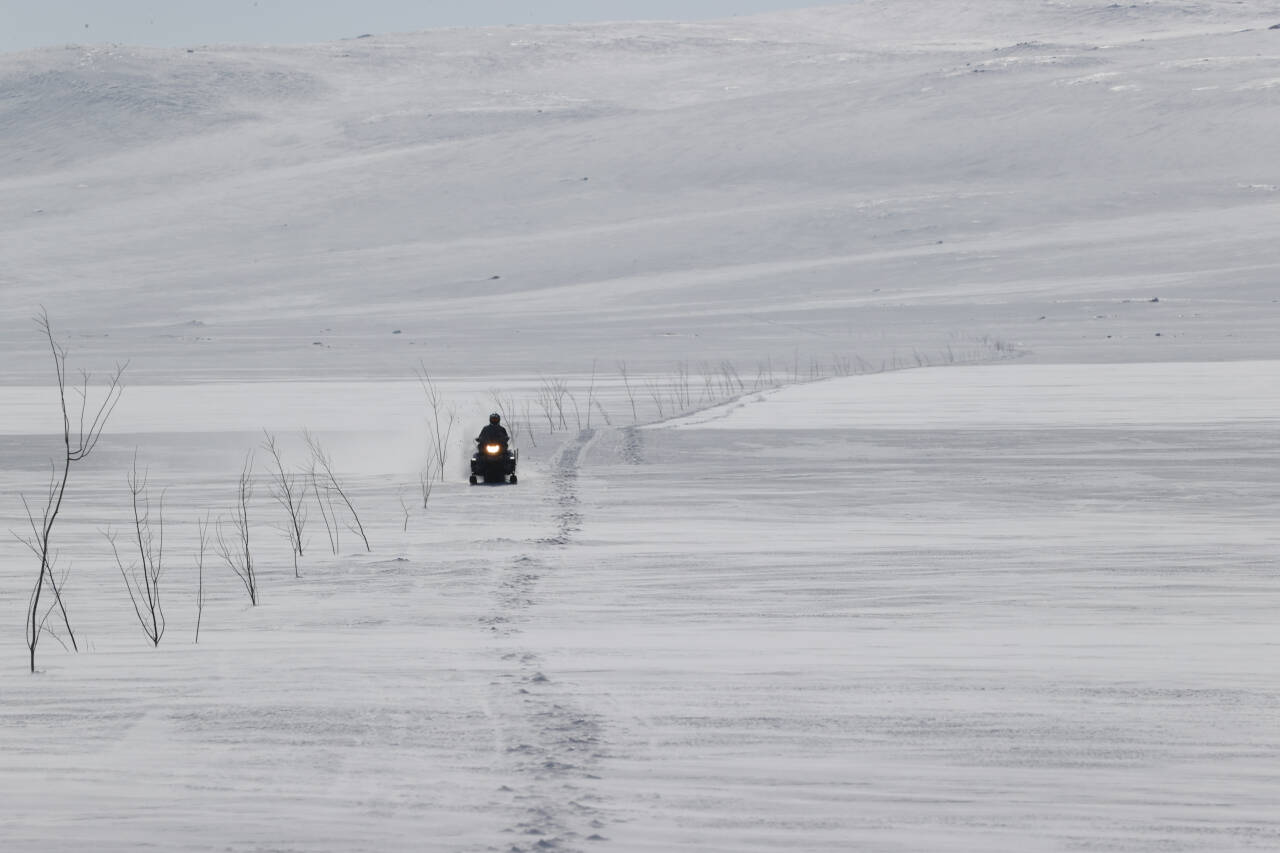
x: 577, y: 413
x: 78, y: 443
x: 708, y: 383
x: 328, y: 512
x: 591, y: 392
x: 202, y: 527
x: 441, y: 420
x: 233, y: 534
x: 552, y: 396
x: 684, y: 397
x: 1000, y: 347
x: 655, y: 394
x: 764, y: 376
x: 142, y: 578
x: 291, y: 495
x: 733, y: 384
x: 546, y: 402
x: 526, y: 407
x: 426, y: 481
x: 631, y: 397
x: 322, y: 468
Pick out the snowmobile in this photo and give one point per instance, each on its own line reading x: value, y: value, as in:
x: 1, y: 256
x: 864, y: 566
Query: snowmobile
x: 493, y: 462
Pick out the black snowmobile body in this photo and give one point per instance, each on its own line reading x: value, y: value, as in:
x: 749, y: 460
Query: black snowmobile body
x: 493, y: 462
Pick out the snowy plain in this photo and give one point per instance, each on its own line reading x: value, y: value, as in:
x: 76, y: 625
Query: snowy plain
x: 912, y: 485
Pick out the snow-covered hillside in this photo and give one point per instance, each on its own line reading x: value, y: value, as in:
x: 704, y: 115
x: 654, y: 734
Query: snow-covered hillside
x: 895, y: 390
x: 850, y: 180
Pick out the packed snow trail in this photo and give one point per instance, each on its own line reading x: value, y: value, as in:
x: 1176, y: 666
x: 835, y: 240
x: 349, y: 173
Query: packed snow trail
x: 551, y: 745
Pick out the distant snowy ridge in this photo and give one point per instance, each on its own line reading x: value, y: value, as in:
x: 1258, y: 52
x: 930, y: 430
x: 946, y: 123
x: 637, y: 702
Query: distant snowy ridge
x: 847, y: 171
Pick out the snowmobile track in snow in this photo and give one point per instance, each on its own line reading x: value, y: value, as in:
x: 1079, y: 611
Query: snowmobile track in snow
x: 564, y: 482
x: 549, y: 746
x: 632, y: 446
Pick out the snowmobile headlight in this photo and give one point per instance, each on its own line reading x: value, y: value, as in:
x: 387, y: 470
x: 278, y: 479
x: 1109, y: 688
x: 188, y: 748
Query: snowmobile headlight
x: 492, y: 449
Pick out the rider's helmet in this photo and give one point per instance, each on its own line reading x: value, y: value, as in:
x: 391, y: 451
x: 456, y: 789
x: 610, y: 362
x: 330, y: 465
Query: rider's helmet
x: 494, y: 418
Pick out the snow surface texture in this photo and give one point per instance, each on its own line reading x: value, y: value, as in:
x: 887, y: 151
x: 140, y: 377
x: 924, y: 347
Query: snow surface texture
x: 895, y: 390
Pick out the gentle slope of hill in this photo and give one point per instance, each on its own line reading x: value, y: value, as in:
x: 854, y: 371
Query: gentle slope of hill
x: 864, y: 174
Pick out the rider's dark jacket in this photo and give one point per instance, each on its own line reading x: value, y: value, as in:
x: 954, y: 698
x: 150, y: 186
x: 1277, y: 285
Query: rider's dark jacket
x: 494, y: 434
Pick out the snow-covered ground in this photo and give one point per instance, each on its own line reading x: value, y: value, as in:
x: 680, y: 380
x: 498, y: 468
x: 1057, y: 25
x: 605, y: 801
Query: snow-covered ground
x: 895, y: 385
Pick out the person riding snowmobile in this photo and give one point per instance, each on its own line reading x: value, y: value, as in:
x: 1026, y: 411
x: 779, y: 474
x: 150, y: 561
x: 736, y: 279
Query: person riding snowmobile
x: 494, y: 461
x: 494, y: 432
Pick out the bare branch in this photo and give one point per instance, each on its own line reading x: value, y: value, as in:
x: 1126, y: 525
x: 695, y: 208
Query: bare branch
x: 77, y: 445
x: 323, y: 465
x: 291, y: 495
x: 142, y: 579
x: 233, y: 535
x: 202, y: 526
x: 426, y: 481
x: 443, y: 417
x: 631, y: 397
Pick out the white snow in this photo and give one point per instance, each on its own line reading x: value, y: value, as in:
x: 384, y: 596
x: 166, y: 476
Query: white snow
x: 1148, y: 396
x: 895, y: 386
